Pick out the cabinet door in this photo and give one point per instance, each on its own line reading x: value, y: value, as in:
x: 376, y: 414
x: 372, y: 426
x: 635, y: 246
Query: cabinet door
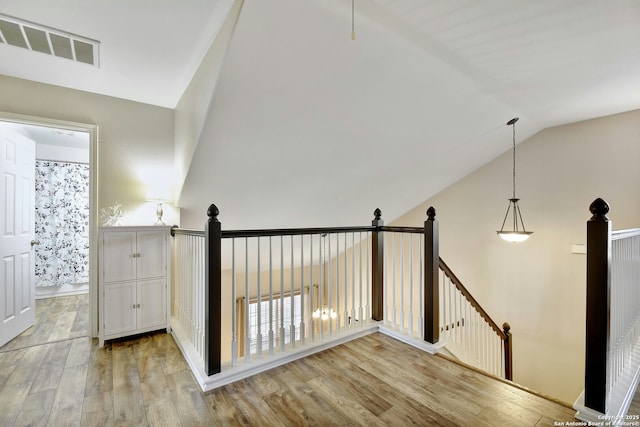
x: 119, y: 308
x: 152, y: 301
x: 152, y: 250
x: 118, y: 261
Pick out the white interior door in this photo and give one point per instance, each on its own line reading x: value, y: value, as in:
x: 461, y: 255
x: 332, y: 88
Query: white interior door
x: 17, y: 265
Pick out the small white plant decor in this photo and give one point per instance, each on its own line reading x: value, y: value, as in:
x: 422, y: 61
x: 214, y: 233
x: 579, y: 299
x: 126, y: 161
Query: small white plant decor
x: 112, y: 215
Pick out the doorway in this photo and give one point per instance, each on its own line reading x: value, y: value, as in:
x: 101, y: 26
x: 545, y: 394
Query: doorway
x: 87, y: 133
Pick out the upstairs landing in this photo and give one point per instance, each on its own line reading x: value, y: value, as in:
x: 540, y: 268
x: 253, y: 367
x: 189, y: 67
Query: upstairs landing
x: 144, y: 380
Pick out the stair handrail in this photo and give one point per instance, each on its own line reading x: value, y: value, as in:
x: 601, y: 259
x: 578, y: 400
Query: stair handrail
x: 474, y: 303
x: 504, y: 334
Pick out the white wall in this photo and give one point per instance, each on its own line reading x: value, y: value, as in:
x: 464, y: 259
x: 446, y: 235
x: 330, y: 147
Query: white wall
x: 136, y: 141
x: 191, y: 111
x: 539, y: 286
x: 62, y: 154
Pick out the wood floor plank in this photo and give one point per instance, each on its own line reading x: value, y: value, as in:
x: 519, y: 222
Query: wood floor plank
x: 282, y: 402
x: 100, y: 370
x: 67, y: 406
x: 441, y: 378
x: 12, y: 396
x: 52, y: 367
x: 346, y: 383
x: 162, y: 412
x: 62, y: 327
x: 36, y: 409
x: 486, y: 386
x: 222, y: 409
x: 306, y: 401
x: 80, y: 325
x: 264, y: 384
x: 188, y: 399
x: 9, y: 360
x: 345, y: 406
x: 97, y: 410
x: 425, y: 397
x: 302, y: 372
x: 128, y: 403
x: 402, y: 416
x: 79, y: 353
x: 160, y: 409
x: 253, y: 406
x: 403, y: 407
x: 492, y: 417
x: 396, y: 372
x: 144, y: 380
x: 24, y: 369
x: 171, y: 358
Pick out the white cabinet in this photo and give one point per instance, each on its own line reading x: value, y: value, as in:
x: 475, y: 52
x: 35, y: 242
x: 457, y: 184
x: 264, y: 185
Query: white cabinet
x: 133, y: 280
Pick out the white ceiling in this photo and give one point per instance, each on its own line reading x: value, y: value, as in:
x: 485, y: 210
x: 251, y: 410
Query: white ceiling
x: 564, y: 59
x: 417, y: 101
x: 149, y: 49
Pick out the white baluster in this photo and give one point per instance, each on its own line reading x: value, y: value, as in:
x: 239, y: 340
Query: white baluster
x: 271, y: 320
x: 292, y: 327
x: 360, y: 307
x: 259, y: 307
x: 303, y: 327
x: 234, y: 324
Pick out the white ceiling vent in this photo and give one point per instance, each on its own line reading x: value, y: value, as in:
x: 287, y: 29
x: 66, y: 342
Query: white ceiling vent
x: 19, y: 33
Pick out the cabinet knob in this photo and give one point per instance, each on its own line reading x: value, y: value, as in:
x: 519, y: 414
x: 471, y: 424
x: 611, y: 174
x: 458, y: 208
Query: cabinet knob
x: 134, y: 306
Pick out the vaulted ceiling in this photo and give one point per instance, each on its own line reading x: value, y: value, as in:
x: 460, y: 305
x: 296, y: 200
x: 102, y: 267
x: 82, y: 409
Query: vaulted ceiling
x: 419, y: 99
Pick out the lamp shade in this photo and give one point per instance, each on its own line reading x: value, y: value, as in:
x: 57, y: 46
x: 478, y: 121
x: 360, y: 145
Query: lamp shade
x: 514, y: 236
x: 159, y: 196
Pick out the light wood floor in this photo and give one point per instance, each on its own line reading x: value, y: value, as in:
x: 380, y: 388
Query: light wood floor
x: 142, y: 381
x: 57, y: 319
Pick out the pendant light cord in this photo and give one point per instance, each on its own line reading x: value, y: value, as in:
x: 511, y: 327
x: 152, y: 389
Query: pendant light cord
x: 353, y: 20
x: 514, y: 160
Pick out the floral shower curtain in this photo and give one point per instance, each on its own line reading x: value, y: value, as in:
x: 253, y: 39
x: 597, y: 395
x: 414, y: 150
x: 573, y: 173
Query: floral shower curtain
x: 62, y: 223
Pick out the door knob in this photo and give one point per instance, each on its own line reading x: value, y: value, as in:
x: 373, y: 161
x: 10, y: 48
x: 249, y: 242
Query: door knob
x: 35, y: 242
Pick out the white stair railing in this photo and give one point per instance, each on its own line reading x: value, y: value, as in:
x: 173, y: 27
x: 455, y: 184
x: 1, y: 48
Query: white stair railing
x: 248, y: 300
x: 187, y: 306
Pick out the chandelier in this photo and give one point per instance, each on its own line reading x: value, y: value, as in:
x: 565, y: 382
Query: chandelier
x: 324, y: 314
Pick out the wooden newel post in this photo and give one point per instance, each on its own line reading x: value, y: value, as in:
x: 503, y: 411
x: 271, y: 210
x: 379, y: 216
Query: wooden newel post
x: 598, y: 292
x: 508, y: 351
x: 212, y: 292
x: 431, y: 277
x: 377, y: 267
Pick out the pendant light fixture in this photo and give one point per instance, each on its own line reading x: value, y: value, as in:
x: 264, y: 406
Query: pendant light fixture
x: 518, y: 233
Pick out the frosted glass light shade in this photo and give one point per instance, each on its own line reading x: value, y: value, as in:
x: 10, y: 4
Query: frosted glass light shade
x: 514, y: 236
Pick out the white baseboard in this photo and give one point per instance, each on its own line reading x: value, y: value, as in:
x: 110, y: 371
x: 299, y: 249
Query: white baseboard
x: 412, y: 341
x: 62, y: 290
